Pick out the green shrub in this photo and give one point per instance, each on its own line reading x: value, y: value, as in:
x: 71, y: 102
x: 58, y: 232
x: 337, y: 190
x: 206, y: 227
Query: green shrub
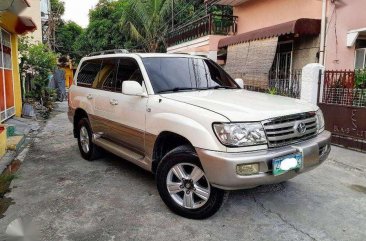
x: 360, y: 79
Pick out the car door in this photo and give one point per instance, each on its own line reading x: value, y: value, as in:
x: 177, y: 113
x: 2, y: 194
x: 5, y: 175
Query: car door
x: 105, y: 85
x: 86, y: 79
x: 126, y: 114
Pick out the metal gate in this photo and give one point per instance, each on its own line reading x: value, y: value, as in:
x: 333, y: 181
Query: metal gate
x: 343, y: 103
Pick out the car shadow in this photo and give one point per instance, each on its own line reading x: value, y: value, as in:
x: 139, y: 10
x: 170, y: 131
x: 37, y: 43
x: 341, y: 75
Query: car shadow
x: 141, y: 175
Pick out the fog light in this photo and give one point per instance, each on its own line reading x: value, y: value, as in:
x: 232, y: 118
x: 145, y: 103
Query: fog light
x: 247, y: 169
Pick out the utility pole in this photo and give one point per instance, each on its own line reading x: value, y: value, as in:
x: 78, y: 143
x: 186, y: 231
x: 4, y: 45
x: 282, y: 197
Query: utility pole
x: 323, y: 32
x: 172, y: 14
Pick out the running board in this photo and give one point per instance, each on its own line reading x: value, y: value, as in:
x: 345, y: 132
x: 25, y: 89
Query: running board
x: 120, y: 151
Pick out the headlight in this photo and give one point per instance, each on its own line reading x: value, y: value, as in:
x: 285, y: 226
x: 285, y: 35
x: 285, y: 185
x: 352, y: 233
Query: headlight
x: 240, y: 134
x: 320, y: 121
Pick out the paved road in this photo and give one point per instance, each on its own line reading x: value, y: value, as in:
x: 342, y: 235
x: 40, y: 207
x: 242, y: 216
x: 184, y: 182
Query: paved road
x: 110, y: 199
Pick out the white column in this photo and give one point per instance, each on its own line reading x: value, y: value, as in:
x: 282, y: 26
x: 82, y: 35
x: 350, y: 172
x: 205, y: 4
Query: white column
x: 309, y: 82
x: 212, y: 55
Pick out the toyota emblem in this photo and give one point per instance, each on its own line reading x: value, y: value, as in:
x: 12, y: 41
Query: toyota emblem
x: 301, y: 128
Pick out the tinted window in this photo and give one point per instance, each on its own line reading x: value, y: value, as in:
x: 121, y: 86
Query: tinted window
x: 88, y: 72
x: 107, y: 77
x: 128, y: 69
x: 179, y: 73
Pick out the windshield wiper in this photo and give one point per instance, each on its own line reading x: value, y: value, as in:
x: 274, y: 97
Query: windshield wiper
x: 220, y: 87
x: 177, y: 90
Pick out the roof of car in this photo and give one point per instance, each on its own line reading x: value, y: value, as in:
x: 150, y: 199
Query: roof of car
x: 142, y: 55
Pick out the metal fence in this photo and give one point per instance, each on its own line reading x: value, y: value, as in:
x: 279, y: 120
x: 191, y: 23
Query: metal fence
x: 210, y: 24
x: 343, y: 102
x: 340, y: 88
x: 275, y: 83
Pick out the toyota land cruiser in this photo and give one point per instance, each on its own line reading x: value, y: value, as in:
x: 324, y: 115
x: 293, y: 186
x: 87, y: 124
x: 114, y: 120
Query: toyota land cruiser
x: 187, y: 121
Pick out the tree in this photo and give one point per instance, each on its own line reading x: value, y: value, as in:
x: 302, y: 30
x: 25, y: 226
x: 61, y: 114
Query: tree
x: 57, y: 9
x: 145, y: 22
x: 38, y: 61
x: 66, y: 35
x: 105, y: 30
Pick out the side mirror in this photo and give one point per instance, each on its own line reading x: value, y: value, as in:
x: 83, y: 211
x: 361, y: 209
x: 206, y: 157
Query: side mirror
x: 240, y: 82
x: 132, y: 88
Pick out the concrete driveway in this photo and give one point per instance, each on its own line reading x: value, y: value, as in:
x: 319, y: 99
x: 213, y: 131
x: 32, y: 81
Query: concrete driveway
x: 110, y: 199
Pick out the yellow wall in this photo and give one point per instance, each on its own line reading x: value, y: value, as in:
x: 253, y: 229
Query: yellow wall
x: 8, y: 22
x: 16, y: 76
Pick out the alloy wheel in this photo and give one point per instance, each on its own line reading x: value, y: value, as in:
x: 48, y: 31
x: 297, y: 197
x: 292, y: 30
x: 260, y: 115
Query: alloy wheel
x: 84, y: 139
x: 188, y: 185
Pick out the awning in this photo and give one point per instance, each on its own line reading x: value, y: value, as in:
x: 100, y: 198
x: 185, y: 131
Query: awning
x: 242, y: 60
x: 352, y: 36
x: 303, y: 26
x: 25, y: 25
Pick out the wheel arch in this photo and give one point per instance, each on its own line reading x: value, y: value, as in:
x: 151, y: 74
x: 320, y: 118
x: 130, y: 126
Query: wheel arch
x: 79, y: 114
x: 165, y: 142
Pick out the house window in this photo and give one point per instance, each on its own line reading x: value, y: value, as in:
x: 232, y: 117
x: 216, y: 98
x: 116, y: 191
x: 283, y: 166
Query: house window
x: 360, y: 57
x: 282, y: 64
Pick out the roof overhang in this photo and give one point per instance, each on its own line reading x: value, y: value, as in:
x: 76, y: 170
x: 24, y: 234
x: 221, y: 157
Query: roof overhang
x: 14, y: 6
x: 226, y: 2
x: 25, y: 25
x: 16, y: 24
x: 299, y: 27
x: 353, y: 35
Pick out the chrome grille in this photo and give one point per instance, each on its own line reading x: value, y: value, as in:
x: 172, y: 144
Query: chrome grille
x: 283, y: 130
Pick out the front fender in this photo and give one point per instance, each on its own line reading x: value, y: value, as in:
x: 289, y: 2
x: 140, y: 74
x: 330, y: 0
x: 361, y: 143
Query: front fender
x: 191, y: 122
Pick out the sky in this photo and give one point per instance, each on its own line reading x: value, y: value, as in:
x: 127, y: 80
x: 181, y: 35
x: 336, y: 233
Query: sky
x: 78, y: 10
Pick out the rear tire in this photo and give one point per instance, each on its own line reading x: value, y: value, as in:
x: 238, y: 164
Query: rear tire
x: 88, y: 150
x: 183, y: 186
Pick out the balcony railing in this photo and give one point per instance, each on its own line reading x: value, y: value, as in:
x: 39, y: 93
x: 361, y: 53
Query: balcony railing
x: 210, y: 24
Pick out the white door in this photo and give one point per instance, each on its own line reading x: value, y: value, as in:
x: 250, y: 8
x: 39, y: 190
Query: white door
x: 124, y: 114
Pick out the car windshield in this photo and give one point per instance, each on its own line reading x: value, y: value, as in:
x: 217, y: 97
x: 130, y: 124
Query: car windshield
x: 173, y: 74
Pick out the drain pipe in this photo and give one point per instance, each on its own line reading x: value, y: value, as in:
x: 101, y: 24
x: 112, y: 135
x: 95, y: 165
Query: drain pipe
x: 322, y: 32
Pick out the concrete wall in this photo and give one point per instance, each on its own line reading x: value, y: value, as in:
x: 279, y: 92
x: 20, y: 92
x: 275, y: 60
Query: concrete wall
x: 206, y: 45
x: 343, y: 16
x: 34, y: 11
x: 258, y: 14
x: 305, y: 51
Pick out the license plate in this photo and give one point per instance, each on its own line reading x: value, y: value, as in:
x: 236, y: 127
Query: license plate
x: 284, y: 164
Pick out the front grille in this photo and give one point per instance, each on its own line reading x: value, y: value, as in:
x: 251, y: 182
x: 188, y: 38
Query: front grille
x: 282, y: 131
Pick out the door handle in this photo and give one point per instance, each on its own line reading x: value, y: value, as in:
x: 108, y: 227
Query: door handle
x: 114, y: 102
x: 89, y: 97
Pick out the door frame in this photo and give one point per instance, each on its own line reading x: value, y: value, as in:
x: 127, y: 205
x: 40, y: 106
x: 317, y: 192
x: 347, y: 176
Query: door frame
x: 6, y: 110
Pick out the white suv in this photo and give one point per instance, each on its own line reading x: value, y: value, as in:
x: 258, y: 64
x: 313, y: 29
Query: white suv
x: 187, y: 121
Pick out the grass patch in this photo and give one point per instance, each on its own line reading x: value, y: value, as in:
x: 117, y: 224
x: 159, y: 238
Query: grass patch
x: 5, y: 180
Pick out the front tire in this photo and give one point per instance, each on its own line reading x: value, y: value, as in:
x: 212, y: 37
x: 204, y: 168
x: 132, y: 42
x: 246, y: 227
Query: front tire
x: 88, y: 150
x: 183, y: 186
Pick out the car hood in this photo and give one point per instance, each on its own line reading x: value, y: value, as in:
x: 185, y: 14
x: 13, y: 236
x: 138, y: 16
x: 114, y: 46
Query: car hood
x: 242, y: 105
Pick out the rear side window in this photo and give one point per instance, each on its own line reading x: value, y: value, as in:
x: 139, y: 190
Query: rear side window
x: 107, y: 76
x: 88, y: 72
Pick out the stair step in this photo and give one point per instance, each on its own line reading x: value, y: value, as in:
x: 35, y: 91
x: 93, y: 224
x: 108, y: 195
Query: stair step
x: 14, y: 143
x: 2, y: 141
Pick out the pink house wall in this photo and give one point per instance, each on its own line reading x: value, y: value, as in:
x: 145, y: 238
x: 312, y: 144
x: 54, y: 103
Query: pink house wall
x: 256, y: 14
x: 343, y: 16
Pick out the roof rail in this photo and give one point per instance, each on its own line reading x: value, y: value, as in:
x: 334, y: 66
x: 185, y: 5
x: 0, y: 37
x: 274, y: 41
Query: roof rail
x: 111, y: 51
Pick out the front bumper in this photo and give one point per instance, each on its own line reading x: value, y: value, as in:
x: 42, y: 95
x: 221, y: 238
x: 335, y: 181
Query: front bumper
x: 220, y: 167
